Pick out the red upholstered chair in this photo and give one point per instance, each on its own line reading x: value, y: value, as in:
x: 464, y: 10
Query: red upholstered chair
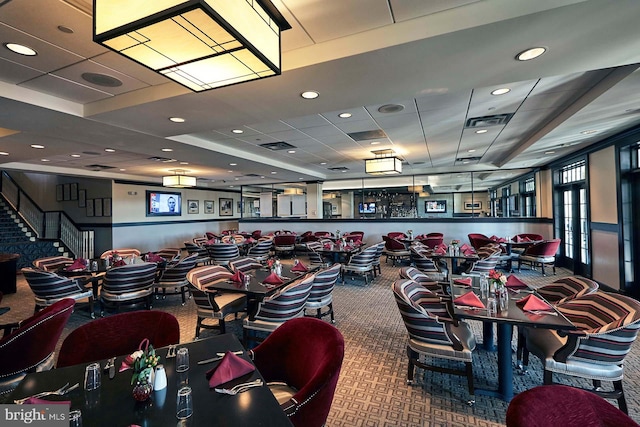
x: 284, y: 243
x: 29, y: 345
x: 256, y: 234
x: 306, y: 355
x: 478, y: 240
x: 396, y: 235
x: 540, y: 253
x: 525, y: 237
x: 559, y: 405
x: 117, y: 335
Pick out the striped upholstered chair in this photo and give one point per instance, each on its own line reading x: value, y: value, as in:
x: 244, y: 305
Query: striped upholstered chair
x: 432, y: 331
x: 123, y: 252
x: 222, y: 253
x: 128, y: 284
x: 418, y: 276
x: 174, y: 278
x: 607, y: 325
x: 211, y: 304
x: 53, y: 263
x: 272, y: 312
x: 244, y: 264
x: 49, y: 288
x: 361, y: 263
x: 261, y: 250
x: 420, y: 258
x: 169, y: 254
x: 321, y: 295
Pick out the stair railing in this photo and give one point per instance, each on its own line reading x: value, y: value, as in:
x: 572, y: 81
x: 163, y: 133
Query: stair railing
x: 47, y: 225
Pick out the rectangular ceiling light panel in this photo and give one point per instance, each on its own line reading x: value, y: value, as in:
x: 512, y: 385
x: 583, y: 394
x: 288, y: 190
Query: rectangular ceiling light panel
x: 201, y: 44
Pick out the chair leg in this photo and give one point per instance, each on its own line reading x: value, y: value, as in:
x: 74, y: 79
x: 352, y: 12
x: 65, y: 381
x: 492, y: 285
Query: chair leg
x: 542, y: 268
x: 91, y: 312
x: 469, y: 369
x: 182, y: 291
x: 223, y: 327
x: 333, y: 320
x: 412, y: 354
x: 198, y: 326
x: 622, y: 402
x: 548, y: 377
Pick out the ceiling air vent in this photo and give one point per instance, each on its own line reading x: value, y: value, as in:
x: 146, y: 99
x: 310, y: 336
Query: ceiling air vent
x: 367, y: 135
x: 469, y: 159
x: 339, y: 168
x: 252, y: 175
x: 161, y: 159
x: 484, y: 121
x: 275, y: 146
x: 390, y: 108
x: 98, y: 168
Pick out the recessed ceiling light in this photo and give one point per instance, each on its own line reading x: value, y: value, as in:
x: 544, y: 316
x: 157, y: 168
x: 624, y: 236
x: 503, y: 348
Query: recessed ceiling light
x: 310, y: 94
x: 38, y: 146
x: 273, y: 172
x: 45, y: 160
x: 375, y: 143
x: 65, y: 30
x: 471, y: 151
x: 177, y: 119
x: 531, y: 53
x: 588, y: 132
x: 301, y: 178
x: 3, y: 153
x: 184, y: 163
x: 465, y: 162
x: 75, y: 155
x: 167, y: 150
x: 291, y: 151
x: 501, y: 91
x: 109, y: 150
x: 323, y: 163
x: 482, y: 131
x: 122, y: 170
x: 230, y: 171
x: 20, y: 49
x: 262, y: 177
x: 233, y: 164
x: 343, y: 171
x: 237, y: 131
x: 549, y: 152
x: 344, y: 115
x: 231, y: 186
x: 236, y: 179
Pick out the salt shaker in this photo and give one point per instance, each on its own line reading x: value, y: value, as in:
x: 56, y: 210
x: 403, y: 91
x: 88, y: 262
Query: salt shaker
x: 161, y: 378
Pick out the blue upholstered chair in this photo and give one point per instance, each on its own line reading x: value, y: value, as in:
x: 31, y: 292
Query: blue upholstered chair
x: 49, y: 288
x: 321, y: 295
x: 607, y: 326
x: 173, y: 279
x: 432, y: 331
x: 210, y: 303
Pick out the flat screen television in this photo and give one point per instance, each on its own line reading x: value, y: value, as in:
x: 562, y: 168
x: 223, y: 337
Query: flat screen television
x: 163, y: 203
x: 435, y: 206
x: 367, y: 208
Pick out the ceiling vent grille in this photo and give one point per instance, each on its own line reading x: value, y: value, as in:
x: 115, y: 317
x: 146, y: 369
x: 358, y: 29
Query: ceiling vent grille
x: 162, y: 159
x: 276, y: 146
x: 485, y: 121
x: 338, y: 168
x: 98, y: 168
x: 367, y: 135
x: 469, y: 159
x: 252, y: 175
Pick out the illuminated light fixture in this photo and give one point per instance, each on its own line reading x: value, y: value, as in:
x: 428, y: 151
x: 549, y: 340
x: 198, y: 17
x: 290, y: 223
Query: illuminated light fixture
x: 385, y: 163
x: 177, y: 119
x: 20, y: 49
x: 344, y: 115
x: 310, y: 94
x: 179, y: 180
x: 294, y: 191
x: 37, y: 146
x: 200, y: 44
x: 501, y: 91
x: 109, y: 150
x: 482, y: 131
x: 237, y: 131
x: 532, y: 53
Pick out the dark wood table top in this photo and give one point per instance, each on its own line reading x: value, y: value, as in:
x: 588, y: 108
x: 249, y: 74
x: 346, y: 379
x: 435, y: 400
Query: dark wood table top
x: 256, y: 289
x: 113, y: 404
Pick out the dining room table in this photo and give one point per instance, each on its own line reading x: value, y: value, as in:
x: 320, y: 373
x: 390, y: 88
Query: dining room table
x: 113, y: 404
x: 339, y: 252
x: 256, y: 290
x: 452, y: 261
x: 505, y: 320
x: 510, y: 244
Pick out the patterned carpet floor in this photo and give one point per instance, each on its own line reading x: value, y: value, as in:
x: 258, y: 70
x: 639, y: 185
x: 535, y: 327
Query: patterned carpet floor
x: 372, y: 389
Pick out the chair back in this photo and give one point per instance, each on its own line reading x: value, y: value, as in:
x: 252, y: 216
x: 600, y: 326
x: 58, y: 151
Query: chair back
x: 169, y: 254
x: 478, y: 240
x: 324, y: 282
x: 432, y: 242
x: 363, y: 260
x: 47, y: 286
x: 526, y: 237
x: 284, y: 240
x: 322, y: 234
x: 118, y: 334
x: 396, y: 234
x: 567, y: 288
x: 244, y: 264
x: 422, y: 261
x: 307, y: 354
x: 129, y: 278
x: 256, y: 234
x: 421, y: 311
x: 200, y: 277
x: 52, y: 263
x: 123, y: 252
x: 435, y: 235
x: 392, y: 244
x: 288, y: 303
x: 484, y: 265
x: 222, y: 253
x: 177, y: 274
x: 607, y: 327
x: 260, y: 250
x: 199, y: 241
x: 35, y: 340
x: 544, y: 249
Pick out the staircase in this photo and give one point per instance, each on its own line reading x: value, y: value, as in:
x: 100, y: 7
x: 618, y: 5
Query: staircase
x: 17, y: 237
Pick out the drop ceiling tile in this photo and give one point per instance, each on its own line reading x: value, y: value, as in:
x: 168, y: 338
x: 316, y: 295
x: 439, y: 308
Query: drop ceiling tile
x: 74, y: 73
x: 134, y: 70
x: 404, y: 10
x: 14, y: 73
x: 65, y: 89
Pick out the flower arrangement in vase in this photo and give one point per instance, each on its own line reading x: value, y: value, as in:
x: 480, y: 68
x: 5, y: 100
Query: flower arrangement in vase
x: 410, y: 234
x: 497, y: 281
x: 143, y: 362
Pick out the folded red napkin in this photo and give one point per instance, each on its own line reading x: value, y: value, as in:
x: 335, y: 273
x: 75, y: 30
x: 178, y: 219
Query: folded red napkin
x: 494, y: 238
x: 467, y: 281
x: 151, y: 257
x: 273, y: 279
x: 526, y: 239
x: 469, y: 252
x: 238, y: 276
x: 465, y: 247
x: 119, y: 263
x: 77, y: 265
x: 442, y: 246
x: 440, y: 251
x: 327, y: 245
x: 533, y: 303
x: 514, y: 283
x: 231, y: 367
x: 36, y: 401
x: 250, y: 240
x: 299, y: 267
x: 469, y: 299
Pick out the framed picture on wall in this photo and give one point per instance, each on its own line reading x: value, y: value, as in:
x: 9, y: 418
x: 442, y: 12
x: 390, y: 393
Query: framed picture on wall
x: 193, y: 206
x: 469, y: 205
x: 226, y: 207
x: 97, y: 208
x: 82, y: 198
x: 106, y: 207
x: 90, y: 211
x: 59, y: 193
x: 208, y: 207
x: 239, y: 207
x: 66, y: 192
x: 74, y: 191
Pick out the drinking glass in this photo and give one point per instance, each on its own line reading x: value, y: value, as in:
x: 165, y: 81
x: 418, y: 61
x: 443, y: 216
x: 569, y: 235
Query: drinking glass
x: 92, y: 378
x: 492, y: 306
x: 184, y: 404
x: 484, y: 287
x: 75, y: 418
x: 182, y: 359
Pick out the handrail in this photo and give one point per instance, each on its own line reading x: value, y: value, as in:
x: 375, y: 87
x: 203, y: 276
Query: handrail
x: 47, y: 225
